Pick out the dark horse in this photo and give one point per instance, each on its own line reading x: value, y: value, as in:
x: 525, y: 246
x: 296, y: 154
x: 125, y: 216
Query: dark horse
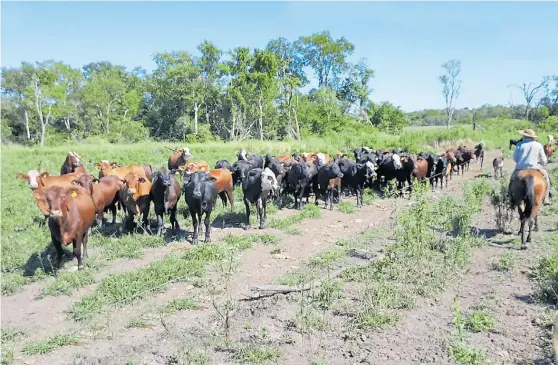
x: 514, y: 142
x: 527, y: 191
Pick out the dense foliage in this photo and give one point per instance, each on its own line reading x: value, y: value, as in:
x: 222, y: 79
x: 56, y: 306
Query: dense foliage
x: 234, y: 95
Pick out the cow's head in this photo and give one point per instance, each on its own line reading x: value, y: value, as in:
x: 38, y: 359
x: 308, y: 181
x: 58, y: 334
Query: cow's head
x: 73, y: 159
x: 56, y: 202
x: 164, y: 176
x: 86, y: 181
x: 370, y: 170
x: 131, y: 183
x: 269, y: 181
x: 33, y: 178
x: 105, y: 167
x: 336, y: 170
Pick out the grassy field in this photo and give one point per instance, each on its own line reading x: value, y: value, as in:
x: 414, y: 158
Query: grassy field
x: 25, y: 248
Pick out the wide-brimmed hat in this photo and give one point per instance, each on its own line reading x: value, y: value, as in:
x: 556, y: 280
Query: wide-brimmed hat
x: 528, y: 133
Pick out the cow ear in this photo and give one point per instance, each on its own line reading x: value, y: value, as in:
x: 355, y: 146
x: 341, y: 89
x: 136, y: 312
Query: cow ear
x: 113, y: 164
x: 22, y: 176
x: 44, y: 174
x: 95, y: 180
x: 98, y: 165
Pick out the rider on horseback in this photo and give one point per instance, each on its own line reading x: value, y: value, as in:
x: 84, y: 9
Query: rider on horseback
x: 529, y: 154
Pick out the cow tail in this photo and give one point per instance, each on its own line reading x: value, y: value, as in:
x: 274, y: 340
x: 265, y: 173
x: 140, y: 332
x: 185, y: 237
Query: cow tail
x: 529, y: 185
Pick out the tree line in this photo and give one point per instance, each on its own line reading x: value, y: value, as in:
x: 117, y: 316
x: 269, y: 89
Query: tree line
x: 212, y: 94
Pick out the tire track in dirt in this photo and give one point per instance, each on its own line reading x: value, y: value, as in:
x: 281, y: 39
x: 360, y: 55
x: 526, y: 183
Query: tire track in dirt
x: 257, y: 267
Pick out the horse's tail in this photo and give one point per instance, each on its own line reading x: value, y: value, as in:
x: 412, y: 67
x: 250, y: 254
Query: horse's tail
x: 529, y: 191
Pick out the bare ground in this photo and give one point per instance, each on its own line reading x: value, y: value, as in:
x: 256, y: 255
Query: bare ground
x: 420, y: 337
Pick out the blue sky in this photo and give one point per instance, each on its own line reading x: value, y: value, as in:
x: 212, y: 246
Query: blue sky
x: 499, y: 43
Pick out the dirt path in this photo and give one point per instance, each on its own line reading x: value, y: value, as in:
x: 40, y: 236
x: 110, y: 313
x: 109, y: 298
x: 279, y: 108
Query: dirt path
x: 115, y: 344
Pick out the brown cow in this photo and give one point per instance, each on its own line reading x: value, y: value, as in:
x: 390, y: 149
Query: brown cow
x: 421, y: 169
x: 180, y: 158
x: 72, y: 164
x: 107, y: 168
x: 284, y: 158
x: 195, y: 167
x: 71, y: 214
x: 135, y: 196
x: 40, y: 182
x: 224, y: 182
x: 498, y: 166
x: 104, y: 193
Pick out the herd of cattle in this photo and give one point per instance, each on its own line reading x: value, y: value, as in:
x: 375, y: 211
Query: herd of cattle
x: 74, y: 200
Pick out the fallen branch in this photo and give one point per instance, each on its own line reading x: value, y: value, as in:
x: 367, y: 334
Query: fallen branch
x: 264, y: 291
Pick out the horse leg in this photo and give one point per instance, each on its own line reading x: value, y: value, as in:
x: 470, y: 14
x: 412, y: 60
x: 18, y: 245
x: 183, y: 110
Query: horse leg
x: 522, y: 230
x: 530, y: 229
x: 536, y: 223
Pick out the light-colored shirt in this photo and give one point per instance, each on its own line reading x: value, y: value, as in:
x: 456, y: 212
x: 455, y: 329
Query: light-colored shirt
x: 529, y: 154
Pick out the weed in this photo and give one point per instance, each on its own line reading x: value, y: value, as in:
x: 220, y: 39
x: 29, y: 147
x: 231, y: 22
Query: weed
x: 320, y: 361
x: 458, y: 349
x: 507, y: 262
x: 50, y: 344
x: 309, y: 320
x: 500, y: 202
x: 11, y: 334
x: 547, y: 275
x: 255, y: 354
x: 190, y: 356
x: 225, y: 308
x: 137, y: 322
x: 479, y: 321
x: 7, y: 356
x: 293, y: 231
x: 176, y: 305
x: 346, y: 207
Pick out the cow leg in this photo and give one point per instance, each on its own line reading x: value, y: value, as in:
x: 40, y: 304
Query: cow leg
x: 262, y: 207
x: 207, y: 222
x: 223, y: 199
x: 78, y: 250
x: 331, y: 199
x: 195, y: 226
x: 159, y: 214
x: 174, y: 222
x: 59, y: 251
x: 230, y: 196
x: 247, y: 205
x: 113, y: 211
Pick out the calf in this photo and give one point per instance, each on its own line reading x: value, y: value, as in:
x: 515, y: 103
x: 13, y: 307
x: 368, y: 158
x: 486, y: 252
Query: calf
x: 179, y: 158
x: 72, y: 164
x: 258, y: 186
x: 224, y: 182
x: 224, y: 164
x: 104, y: 193
x: 275, y: 165
x: 299, y: 179
x: 71, y: 213
x: 355, y: 176
x: 136, y: 198
x: 200, y: 193
x: 329, y: 178
x: 498, y: 166
x: 165, y: 194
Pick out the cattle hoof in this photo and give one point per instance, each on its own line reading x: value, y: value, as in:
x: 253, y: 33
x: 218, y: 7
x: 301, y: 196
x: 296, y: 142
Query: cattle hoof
x: 246, y: 227
x: 523, y: 247
x: 262, y: 227
x: 207, y: 239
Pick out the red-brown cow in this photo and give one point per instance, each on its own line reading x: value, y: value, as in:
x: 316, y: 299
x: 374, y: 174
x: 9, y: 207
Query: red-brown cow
x: 72, y: 164
x: 104, y: 193
x: 548, y: 151
x: 179, y: 158
x: 224, y: 182
x: 195, y: 167
x: 71, y: 214
x: 136, y: 198
x: 107, y: 168
x: 39, y: 182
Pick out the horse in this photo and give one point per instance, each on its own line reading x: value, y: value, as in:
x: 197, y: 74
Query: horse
x: 527, y: 191
x: 514, y: 142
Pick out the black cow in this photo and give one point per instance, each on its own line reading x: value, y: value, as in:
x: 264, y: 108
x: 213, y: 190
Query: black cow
x: 239, y: 171
x: 479, y: 153
x: 300, y: 178
x: 200, y: 192
x: 432, y: 160
x: 224, y: 164
x: 355, y: 176
x: 255, y: 160
x: 440, y: 167
x: 329, y: 178
x: 165, y: 194
x: 405, y: 174
x: 257, y: 187
x: 388, y: 167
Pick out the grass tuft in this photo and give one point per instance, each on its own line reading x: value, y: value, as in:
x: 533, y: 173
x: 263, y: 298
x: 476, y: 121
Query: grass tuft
x: 50, y: 344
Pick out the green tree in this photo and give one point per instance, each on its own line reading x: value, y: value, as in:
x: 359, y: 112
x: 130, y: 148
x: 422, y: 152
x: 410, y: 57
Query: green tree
x: 328, y: 57
x: 387, y: 117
